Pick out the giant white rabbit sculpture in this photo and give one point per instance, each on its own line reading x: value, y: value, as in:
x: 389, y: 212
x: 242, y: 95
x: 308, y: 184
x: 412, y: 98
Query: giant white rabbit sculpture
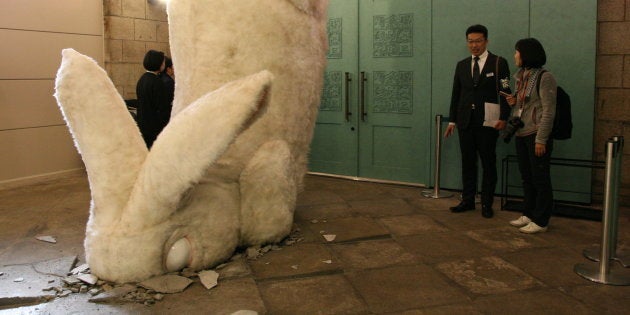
x: 226, y: 170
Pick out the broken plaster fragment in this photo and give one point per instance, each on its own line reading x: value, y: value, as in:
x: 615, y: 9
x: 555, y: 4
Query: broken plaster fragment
x: 295, y: 267
x: 327, y: 261
x: 88, y: 278
x: 47, y: 238
x: 166, y: 284
x: 209, y: 278
x: 20, y: 279
x: 79, y: 269
x: 329, y: 237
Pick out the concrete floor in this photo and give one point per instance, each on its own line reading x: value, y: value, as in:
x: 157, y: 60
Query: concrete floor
x: 395, y: 252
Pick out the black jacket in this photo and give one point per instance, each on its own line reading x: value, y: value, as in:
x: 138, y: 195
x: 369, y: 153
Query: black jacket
x: 465, y: 94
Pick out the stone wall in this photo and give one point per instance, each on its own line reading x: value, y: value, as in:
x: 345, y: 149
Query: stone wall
x: 612, y: 112
x: 132, y: 27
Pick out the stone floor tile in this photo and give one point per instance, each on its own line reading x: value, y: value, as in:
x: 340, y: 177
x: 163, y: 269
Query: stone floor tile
x: 411, y: 224
x: 317, y: 197
x: 403, y: 287
x: 22, y: 284
x: 547, y: 301
x: 442, y: 310
x: 508, y: 239
x: 57, y: 267
x: 226, y: 298
x: 381, y: 207
x: 571, y: 232
x: 444, y: 246
x: 78, y: 304
x: 372, y: 254
x: 323, y: 212
x: 349, y: 229
x: 330, y: 294
x: 296, y: 260
x: 552, y: 266
x: 488, y: 275
x: 605, y: 299
x: 430, y: 204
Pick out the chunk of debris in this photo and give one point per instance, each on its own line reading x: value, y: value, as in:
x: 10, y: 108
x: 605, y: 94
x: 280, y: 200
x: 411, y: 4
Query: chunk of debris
x: 1, y: 273
x: 209, y: 278
x: 88, y: 278
x: 166, y: 284
x: 80, y: 269
x: 18, y: 279
x: 245, y: 312
x: 71, y: 280
x: 94, y: 291
x: 114, y: 295
x: 252, y: 252
x: 329, y: 237
x: 188, y: 273
x: 327, y: 261
x: 295, y: 267
x: 314, y: 221
x: 47, y: 238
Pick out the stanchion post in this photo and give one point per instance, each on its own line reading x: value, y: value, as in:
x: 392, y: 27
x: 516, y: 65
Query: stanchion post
x: 435, y: 193
x: 594, y: 252
x: 603, y: 272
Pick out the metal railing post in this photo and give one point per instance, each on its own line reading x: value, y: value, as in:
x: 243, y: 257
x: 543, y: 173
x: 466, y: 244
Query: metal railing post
x: 603, y: 273
x: 435, y: 192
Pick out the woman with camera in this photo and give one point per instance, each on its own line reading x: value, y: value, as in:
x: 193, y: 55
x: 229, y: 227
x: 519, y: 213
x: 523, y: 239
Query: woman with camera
x: 533, y: 111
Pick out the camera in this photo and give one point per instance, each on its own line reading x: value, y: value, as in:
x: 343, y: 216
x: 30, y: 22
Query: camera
x: 513, y: 124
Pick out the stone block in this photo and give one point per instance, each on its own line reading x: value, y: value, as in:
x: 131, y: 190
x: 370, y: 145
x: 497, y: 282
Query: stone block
x: 134, y: 8
x: 159, y: 47
x: 113, y: 50
x: 604, y: 129
x: 119, y: 28
x: 157, y: 11
x: 124, y: 73
x: 613, y: 104
x: 112, y: 7
x: 613, y: 38
x: 610, y: 10
x: 133, y: 51
x: 145, y: 30
x: 609, y: 71
x: 626, y: 72
x: 162, y: 32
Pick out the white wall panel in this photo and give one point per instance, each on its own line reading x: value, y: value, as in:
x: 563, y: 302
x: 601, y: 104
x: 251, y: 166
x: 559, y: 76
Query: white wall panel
x: 37, y: 55
x: 62, y: 16
x: 33, y: 151
x: 28, y: 103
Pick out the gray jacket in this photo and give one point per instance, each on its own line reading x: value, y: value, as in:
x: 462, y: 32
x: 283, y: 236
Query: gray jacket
x: 539, y: 109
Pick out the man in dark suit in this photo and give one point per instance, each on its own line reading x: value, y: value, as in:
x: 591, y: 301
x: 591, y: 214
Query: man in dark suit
x: 479, y: 113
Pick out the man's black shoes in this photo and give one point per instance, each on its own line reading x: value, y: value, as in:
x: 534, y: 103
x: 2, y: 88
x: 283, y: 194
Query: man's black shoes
x: 463, y: 206
x: 486, y: 211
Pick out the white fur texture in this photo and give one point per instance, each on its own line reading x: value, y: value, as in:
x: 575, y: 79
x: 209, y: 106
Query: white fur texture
x: 226, y: 169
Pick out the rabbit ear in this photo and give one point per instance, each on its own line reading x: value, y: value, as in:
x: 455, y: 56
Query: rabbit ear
x: 190, y: 143
x: 103, y: 130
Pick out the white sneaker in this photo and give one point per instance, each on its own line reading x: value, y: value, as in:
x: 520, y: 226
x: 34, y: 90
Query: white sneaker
x: 532, y: 228
x: 522, y: 221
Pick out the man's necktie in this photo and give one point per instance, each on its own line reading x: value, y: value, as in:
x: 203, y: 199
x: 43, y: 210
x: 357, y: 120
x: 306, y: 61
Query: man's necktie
x: 476, y: 71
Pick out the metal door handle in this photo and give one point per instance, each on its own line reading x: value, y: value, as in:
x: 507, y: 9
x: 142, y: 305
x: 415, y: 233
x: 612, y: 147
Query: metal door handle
x: 362, y: 84
x: 348, y: 80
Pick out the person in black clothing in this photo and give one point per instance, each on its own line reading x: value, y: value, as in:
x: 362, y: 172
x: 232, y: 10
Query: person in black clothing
x: 168, y: 78
x: 478, y: 80
x: 154, y: 107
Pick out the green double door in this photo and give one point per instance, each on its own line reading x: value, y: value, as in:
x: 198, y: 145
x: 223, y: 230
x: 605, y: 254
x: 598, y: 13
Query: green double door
x: 374, y: 120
